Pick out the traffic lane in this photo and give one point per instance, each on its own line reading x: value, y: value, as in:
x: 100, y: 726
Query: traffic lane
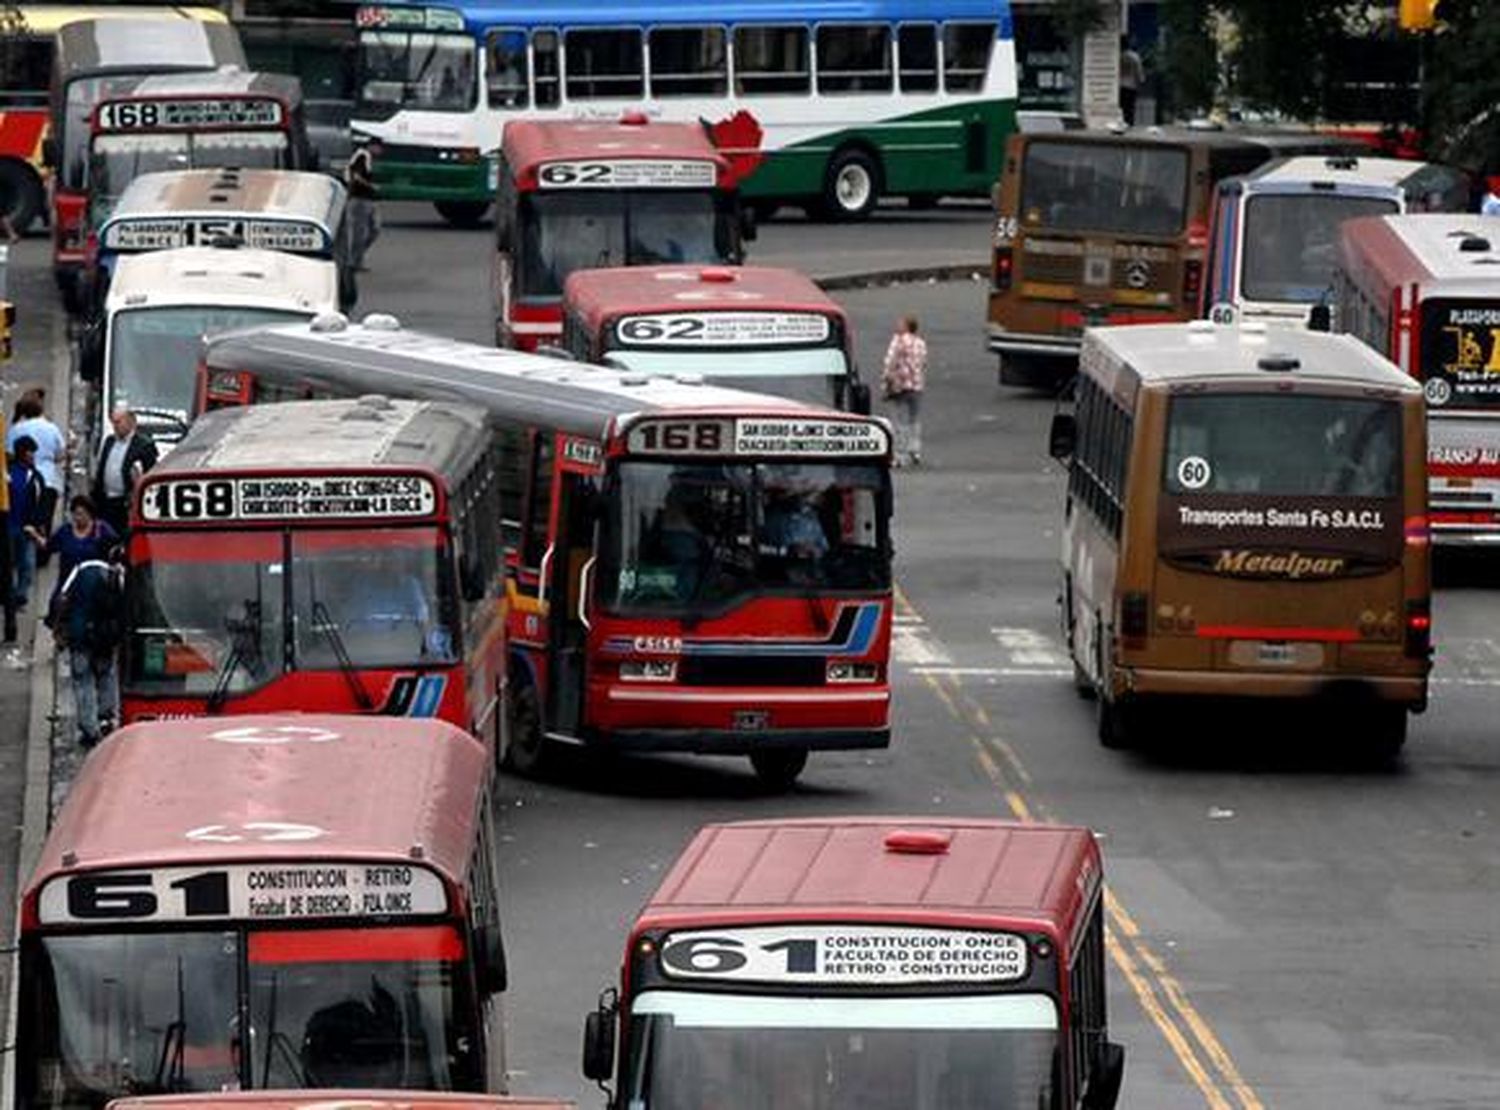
x: 1275, y: 875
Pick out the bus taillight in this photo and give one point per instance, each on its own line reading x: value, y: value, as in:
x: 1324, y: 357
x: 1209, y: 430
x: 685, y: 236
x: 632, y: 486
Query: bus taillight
x: 1004, y: 269
x: 1135, y: 610
x: 1417, y: 531
x: 1418, y: 629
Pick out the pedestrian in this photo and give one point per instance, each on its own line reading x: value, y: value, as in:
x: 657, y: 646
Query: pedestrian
x: 1490, y: 205
x: 124, y: 457
x: 90, y: 625
x: 81, y: 538
x: 8, y: 230
x: 1132, y: 77
x: 902, y: 380
x: 364, y: 220
x: 26, y: 489
x: 30, y: 419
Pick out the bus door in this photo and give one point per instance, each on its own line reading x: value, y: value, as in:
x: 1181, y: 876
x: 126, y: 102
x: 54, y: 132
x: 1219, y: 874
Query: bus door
x: 571, y: 577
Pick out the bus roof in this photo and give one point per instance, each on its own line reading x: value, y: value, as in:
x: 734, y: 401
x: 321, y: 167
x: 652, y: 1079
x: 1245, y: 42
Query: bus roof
x: 1451, y: 247
x: 890, y: 868
x: 601, y: 295
x: 336, y: 1099
x: 148, y: 786
x: 46, y: 19
x: 572, y: 397
x: 224, y: 81
x: 1334, y: 171
x: 1206, y: 352
x: 161, y: 44
x: 527, y: 143
x: 283, y: 194
x: 335, y: 435
x: 238, y: 277
x: 1275, y: 143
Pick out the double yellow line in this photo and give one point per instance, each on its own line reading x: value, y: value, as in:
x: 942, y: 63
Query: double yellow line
x: 1161, y: 995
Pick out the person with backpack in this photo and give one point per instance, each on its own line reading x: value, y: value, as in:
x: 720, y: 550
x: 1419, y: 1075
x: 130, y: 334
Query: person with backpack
x: 89, y: 622
x: 81, y: 538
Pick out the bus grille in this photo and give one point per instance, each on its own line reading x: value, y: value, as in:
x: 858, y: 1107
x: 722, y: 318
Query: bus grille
x: 752, y: 670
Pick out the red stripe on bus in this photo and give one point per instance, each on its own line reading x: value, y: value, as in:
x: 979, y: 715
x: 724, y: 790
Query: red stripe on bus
x: 377, y: 944
x: 1263, y: 632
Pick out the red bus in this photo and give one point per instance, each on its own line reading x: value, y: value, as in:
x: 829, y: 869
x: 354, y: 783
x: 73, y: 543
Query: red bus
x: 578, y: 194
x: 876, y: 962
x: 688, y: 568
x: 1423, y: 291
x: 91, y: 58
x: 211, y: 911
x: 330, y: 556
x: 749, y: 327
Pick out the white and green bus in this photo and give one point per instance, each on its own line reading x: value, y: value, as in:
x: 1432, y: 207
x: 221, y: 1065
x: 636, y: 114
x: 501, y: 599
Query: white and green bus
x: 843, y: 101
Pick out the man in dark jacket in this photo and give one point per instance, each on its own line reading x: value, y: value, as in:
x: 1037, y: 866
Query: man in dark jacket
x: 90, y: 624
x: 26, y: 501
x: 124, y: 457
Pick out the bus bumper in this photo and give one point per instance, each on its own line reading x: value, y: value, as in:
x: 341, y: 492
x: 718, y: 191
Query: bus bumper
x: 1410, y: 690
x: 714, y: 741
x: 1003, y: 342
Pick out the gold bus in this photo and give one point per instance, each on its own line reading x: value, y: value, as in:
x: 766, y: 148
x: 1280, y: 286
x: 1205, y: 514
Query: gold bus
x: 1245, y: 517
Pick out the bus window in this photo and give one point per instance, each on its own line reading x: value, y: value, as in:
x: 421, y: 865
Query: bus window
x: 506, y: 79
x: 571, y: 231
x: 966, y: 55
x: 538, y: 504
x: 1123, y: 188
x: 854, y: 58
x: 689, y: 61
x: 771, y: 60
x: 916, y: 46
x: 605, y: 64
x: 1291, y: 242
x: 417, y: 69
x: 545, y: 57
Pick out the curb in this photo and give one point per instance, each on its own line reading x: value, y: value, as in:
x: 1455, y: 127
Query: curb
x: 948, y: 271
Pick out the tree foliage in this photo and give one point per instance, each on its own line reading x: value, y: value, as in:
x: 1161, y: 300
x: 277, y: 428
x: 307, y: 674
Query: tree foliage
x: 1286, y: 49
x: 1188, y: 60
x: 1462, y: 86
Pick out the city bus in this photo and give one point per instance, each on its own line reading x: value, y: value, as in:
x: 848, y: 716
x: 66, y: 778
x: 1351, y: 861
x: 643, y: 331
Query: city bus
x: 230, y: 117
x: 750, y: 327
x: 292, y: 211
x: 1096, y: 228
x: 688, y: 567
x: 256, y: 926
x: 92, y: 56
x: 335, y: 556
x: 844, y: 103
x: 1424, y: 291
x: 1274, y: 240
x: 871, y: 962
x: 336, y: 1100
x: 578, y: 194
x: 1245, y: 518
x: 26, y: 44
x: 144, y: 351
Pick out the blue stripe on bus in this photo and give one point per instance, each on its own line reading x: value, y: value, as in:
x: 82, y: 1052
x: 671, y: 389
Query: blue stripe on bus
x: 429, y: 695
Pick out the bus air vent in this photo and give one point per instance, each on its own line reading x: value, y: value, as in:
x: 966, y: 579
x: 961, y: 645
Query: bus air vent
x: 689, y: 379
x: 381, y: 321
x: 716, y: 274
x: 635, y: 379
x: 1279, y: 364
x: 1342, y: 162
x: 1473, y: 244
x: 917, y: 842
x: 328, y: 322
x: 634, y: 117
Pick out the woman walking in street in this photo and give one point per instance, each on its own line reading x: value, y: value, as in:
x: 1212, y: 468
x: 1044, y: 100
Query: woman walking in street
x: 902, y: 381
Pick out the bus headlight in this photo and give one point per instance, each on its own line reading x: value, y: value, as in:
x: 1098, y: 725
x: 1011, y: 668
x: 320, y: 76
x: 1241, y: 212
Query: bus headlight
x: 853, y: 672
x: 648, y: 670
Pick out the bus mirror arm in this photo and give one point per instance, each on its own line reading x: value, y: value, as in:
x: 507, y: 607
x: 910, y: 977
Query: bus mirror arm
x: 489, y: 948
x: 1105, y: 1078
x: 1062, y: 437
x: 599, y: 1039
x: 585, y: 583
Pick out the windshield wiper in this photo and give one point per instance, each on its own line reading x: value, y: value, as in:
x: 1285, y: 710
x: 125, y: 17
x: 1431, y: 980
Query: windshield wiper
x: 244, y: 644
x: 170, y: 1074
x: 323, y: 622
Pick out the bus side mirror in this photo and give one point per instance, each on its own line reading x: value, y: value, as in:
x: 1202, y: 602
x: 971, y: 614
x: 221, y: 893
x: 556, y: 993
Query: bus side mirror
x: 1062, y: 437
x: 91, y: 351
x: 489, y: 954
x: 859, y: 398
x: 749, y: 231
x: 1106, y: 1077
x: 599, y: 1039
x: 1321, y: 318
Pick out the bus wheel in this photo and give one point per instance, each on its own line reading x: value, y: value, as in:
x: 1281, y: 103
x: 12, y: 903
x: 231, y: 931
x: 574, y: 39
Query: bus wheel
x: 1083, y: 685
x: 852, y: 187
x: 1387, y: 732
x: 463, y: 213
x: 778, y: 768
x: 529, y: 752
x: 1117, y: 723
x: 22, y: 197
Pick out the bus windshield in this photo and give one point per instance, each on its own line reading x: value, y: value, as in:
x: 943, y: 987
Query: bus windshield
x: 691, y: 1051
x: 1122, y: 188
x: 563, y: 232
x: 160, y: 1012
x: 1284, y: 445
x: 209, y: 611
x: 703, y: 534
x: 117, y: 160
x: 418, y: 70
x: 1291, y: 243
x: 815, y: 376
x: 153, y: 359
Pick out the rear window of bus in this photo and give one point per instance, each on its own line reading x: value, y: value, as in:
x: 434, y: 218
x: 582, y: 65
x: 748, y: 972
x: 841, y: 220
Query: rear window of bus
x: 1291, y: 242
x: 1129, y: 189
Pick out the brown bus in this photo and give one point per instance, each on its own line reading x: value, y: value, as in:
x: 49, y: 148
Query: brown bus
x: 1245, y: 517
x: 1097, y: 228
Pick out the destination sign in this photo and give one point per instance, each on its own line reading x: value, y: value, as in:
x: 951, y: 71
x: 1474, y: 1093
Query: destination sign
x: 772, y: 435
x: 1461, y: 353
x: 847, y: 955
x: 635, y: 173
x: 301, y: 891
x: 165, y: 232
x: 723, y: 329
x: 379, y: 17
x: 190, y: 115
x: 290, y: 497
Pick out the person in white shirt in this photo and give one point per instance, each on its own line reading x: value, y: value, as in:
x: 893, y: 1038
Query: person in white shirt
x: 51, y: 449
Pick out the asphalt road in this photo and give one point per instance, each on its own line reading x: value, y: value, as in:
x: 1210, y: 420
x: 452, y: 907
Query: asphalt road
x: 1291, y: 928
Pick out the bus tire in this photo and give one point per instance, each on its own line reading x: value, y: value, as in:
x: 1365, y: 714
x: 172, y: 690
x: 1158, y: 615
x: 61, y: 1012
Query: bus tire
x: 528, y: 754
x: 22, y: 196
x: 778, y: 768
x: 1386, y: 727
x: 463, y: 213
x: 1083, y: 685
x: 1117, y: 724
x: 851, y: 188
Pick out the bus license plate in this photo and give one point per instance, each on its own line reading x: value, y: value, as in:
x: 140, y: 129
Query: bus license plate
x: 1277, y: 655
x: 751, y: 720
